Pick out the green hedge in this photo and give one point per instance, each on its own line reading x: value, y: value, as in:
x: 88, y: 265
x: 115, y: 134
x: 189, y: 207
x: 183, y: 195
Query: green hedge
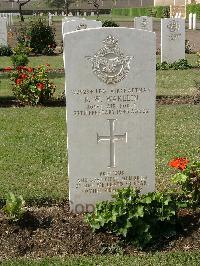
x: 157, y: 12
x: 193, y: 8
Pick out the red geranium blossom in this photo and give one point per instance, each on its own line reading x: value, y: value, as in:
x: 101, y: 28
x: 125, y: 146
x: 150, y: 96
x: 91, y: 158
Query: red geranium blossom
x: 29, y: 69
x: 40, y: 86
x: 7, y: 69
x: 179, y: 163
x: 23, y: 76
x: 18, y: 81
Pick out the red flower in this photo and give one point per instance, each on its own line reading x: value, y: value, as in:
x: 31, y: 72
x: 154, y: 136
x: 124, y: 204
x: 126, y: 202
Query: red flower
x: 18, y: 81
x: 23, y: 76
x: 179, y: 163
x: 19, y: 68
x: 29, y: 69
x: 40, y: 86
x: 6, y: 69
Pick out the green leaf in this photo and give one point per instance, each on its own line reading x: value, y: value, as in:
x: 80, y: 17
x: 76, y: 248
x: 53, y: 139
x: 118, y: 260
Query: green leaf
x: 179, y: 178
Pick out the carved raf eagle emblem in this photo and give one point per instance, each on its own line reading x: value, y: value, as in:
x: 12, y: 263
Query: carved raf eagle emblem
x: 109, y: 64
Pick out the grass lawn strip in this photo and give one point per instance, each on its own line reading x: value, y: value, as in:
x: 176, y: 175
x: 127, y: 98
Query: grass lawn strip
x: 157, y: 259
x: 33, y: 159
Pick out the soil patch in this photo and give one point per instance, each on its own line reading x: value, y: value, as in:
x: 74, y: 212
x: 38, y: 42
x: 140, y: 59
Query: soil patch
x: 54, y: 231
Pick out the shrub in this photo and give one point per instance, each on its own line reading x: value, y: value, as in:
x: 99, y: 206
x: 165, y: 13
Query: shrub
x: 198, y: 60
x: 32, y: 86
x: 166, y: 12
x: 14, y: 207
x: 140, y: 219
x: 22, y: 49
x: 193, y: 8
x: 188, y: 47
x: 42, y: 39
x: 178, y: 65
x: 110, y: 23
x: 19, y: 60
x: 158, y: 11
x: 5, y: 50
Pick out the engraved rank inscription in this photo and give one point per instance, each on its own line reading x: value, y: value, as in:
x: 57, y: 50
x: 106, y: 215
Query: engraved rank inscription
x: 109, y: 64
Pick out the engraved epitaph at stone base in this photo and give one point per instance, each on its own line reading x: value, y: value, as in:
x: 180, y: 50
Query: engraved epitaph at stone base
x: 172, y: 39
x: 111, y: 134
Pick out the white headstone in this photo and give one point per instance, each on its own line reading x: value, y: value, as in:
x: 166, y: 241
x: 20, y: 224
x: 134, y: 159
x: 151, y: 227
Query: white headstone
x: 194, y: 21
x: 3, y: 31
x: 67, y: 19
x: 92, y: 13
x: 80, y: 24
x: 190, y: 21
x: 50, y: 17
x: 143, y: 23
x: 110, y: 113
x: 85, y: 14
x: 172, y: 39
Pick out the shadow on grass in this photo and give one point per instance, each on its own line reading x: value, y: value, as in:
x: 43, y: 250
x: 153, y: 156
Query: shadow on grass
x: 10, y: 101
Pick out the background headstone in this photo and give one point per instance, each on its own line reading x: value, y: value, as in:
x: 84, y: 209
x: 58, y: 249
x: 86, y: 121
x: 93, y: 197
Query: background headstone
x: 190, y: 21
x: 80, y: 24
x: 194, y: 21
x: 67, y: 19
x: 172, y: 39
x: 143, y: 23
x: 110, y: 112
x: 3, y: 31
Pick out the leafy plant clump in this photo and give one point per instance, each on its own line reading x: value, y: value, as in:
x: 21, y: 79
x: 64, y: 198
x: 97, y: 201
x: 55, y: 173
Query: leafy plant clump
x: 198, y: 60
x: 5, y: 50
x: 188, y: 47
x: 178, y: 65
x: 188, y: 178
x: 32, y: 86
x: 140, y: 219
x: 14, y: 207
x: 110, y: 23
x: 19, y: 60
x: 42, y: 39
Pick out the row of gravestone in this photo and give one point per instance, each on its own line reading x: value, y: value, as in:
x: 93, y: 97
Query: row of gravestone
x: 172, y: 33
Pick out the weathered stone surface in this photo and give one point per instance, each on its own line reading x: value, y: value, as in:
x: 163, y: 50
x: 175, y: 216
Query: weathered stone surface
x: 110, y: 112
x: 172, y: 39
x: 3, y: 31
x: 143, y: 23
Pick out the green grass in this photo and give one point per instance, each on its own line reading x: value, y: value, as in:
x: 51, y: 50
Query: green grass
x: 177, y: 131
x: 177, y: 82
x: 54, y: 61
x: 33, y: 158
x: 169, y: 82
x: 157, y: 259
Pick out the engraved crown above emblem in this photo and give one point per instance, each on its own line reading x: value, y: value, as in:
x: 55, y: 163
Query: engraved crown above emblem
x: 109, y: 64
x: 173, y: 25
